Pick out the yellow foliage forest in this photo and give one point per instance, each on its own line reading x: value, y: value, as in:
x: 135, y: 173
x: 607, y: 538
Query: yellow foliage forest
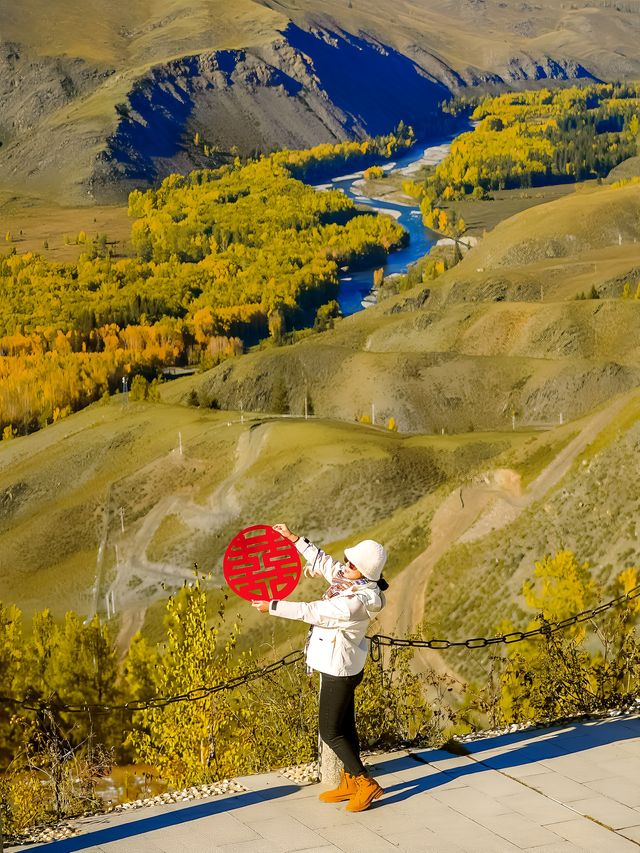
x: 217, y: 253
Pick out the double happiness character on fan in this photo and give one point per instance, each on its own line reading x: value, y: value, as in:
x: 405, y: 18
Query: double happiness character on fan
x: 337, y: 648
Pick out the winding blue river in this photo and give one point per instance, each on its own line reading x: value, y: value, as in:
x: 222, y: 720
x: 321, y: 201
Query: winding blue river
x: 355, y: 286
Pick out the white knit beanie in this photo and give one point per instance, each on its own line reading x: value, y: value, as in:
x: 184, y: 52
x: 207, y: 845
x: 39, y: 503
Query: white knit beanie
x: 368, y: 557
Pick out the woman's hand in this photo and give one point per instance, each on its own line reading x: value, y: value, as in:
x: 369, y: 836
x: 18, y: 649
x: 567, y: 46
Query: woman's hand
x: 262, y: 606
x: 283, y: 530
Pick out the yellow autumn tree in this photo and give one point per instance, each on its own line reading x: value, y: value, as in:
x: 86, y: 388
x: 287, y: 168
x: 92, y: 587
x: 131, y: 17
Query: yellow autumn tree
x: 585, y: 666
x: 188, y: 742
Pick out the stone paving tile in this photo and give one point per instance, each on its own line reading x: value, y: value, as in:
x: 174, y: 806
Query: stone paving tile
x: 579, y: 769
x: 356, y: 839
x: 126, y: 845
x: 607, y: 811
x: 628, y: 767
x: 284, y: 830
x: 142, y: 845
x: 523, y: 771
x: 559, y: 787
x: 537, y: 807
x: 421, y: 841
x: 565, y: 847
x: 176, y: 844
x: 224, y: 828
x: 594, y: 838
x: 493, y: 783
x: 629, y: 721
x: 391, y: 820
x: 454, y: 763
x: 618, y: 788
x: 632, y: 832
x: 413, y: 770
x: 522, y: 752
x: 416, y: 810
x: 315, y: 815
x: 460, y: 830
x: 519, y: 830
x: 263, y: 846
x: 471, y: 802
x: 420, y: 788
x: 273, y: 785
x: 407, y: 765
x: 259, y: 846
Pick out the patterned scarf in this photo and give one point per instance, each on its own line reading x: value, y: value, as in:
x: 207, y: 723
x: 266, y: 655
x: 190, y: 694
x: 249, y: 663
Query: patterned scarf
x: 340, y: 583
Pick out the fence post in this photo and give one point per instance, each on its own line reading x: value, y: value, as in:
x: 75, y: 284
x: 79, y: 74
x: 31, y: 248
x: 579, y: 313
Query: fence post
x: 330, y: 766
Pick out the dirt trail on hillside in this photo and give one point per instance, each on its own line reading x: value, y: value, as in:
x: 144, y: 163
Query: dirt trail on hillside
x: 220, y: 507
x: 490, y: 502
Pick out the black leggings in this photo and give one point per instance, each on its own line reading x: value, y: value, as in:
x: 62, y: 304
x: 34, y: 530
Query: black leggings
x: 338, y: 719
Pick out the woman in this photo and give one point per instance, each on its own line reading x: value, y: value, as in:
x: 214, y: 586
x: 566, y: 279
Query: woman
x: 337, y: 648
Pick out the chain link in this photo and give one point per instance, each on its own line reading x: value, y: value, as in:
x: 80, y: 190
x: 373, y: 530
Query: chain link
x: 376, y: 641
x: 195, y: 695
x: 546, y: 629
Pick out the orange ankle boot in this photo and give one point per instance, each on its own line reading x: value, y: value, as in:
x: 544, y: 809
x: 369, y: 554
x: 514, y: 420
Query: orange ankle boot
x: 368, y: 790
x: 346, y: 789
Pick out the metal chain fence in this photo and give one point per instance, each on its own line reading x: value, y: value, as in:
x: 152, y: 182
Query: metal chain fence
x: 545, y: 629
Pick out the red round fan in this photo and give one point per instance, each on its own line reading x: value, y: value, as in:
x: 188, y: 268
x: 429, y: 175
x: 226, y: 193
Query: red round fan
x: 260, y: 564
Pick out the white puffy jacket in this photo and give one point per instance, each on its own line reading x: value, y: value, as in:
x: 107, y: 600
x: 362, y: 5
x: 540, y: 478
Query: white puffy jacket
x: 337, y: 644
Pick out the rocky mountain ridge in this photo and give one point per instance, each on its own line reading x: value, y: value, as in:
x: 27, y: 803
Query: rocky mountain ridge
x: 85, y: 121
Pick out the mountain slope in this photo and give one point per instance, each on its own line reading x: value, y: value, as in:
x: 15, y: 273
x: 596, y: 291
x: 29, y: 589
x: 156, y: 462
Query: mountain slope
x: 483, y: 342
x: 586, y: 502
x: 106, y: 502
x: 99, y: 100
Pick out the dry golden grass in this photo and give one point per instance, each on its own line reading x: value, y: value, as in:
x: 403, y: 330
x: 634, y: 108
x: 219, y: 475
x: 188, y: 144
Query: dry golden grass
x: 62, y: 489
x: 33, y: 225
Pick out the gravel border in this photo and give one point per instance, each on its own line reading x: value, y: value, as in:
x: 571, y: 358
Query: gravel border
x: 69, y: 827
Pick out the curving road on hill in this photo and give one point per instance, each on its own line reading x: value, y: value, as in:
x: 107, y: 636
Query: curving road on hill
x: 221, y: 506
x: 489, y: 502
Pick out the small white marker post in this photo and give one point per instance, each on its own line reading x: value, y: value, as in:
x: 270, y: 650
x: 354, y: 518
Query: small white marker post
x: 513, y: 422
x: 121, y: 511
x: 180, y: 443
x: 106, y: 598
x: 306, y: 405
x: 241, y: 412
x: 373, y: 413
x: 113, y: 603
x: 561, y: 418
x: 330, y: 764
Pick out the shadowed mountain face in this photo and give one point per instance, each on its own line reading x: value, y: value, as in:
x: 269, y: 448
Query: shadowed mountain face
x: 302, y: 89
x: 113, y: 98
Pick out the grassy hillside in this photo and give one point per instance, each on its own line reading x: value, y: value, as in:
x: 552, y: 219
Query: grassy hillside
x: 67, y: 492
x: 489, y: 343
x: 503, y: 327
x: 592, y: 510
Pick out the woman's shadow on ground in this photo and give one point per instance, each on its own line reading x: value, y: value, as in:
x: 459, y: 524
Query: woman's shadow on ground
x: 517, y: 750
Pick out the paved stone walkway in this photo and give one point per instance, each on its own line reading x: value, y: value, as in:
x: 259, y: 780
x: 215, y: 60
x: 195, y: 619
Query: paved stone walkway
x: 557, y: 790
